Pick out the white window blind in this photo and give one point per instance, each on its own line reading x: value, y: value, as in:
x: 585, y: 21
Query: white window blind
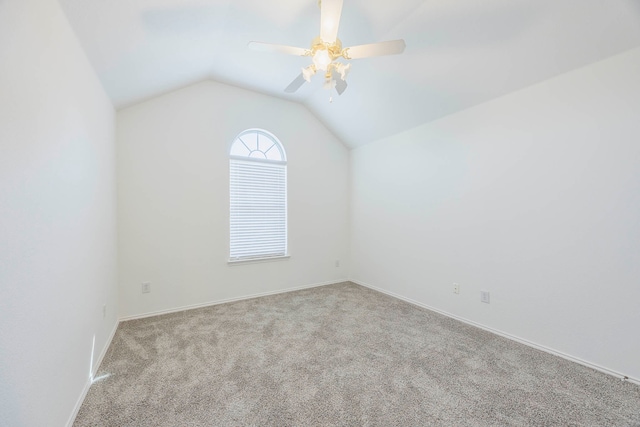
x: 258, y: 206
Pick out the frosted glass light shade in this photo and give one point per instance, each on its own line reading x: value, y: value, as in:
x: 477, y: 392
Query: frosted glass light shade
x: 321, y: 59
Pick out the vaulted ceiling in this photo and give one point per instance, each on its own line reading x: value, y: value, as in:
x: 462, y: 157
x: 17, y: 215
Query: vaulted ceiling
x: 459, y: 52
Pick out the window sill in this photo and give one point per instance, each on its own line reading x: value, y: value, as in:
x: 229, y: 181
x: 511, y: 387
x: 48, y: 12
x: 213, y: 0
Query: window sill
x: 257, y: 260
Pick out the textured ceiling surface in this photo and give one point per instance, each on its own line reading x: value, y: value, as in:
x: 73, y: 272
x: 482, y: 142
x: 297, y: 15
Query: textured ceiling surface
x: 459, y: 52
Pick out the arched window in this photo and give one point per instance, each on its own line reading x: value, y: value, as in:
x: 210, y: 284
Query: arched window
x: 258, y: 196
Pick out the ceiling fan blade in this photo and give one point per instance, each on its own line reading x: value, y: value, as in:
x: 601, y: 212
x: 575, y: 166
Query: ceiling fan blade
x: 330, y: 11
x: 295, y: 84
x: 391, y: 47
x: 341, y: 85
x: 268, y: 47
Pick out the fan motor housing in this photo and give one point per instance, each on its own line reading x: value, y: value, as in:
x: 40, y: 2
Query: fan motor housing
x: 334, y: 50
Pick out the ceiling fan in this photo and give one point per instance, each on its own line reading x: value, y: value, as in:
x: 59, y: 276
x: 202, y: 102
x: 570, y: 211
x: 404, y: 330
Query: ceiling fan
x: 326, y: 49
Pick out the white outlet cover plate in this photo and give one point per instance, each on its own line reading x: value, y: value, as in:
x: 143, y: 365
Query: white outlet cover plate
x: 484, y: 296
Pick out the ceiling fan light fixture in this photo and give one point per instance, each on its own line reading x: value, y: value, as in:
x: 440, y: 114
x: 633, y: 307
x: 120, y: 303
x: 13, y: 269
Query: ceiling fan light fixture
x: 308, y: 72
x: 329, y: 84
x: 343, y: 69
x: 321, y: 59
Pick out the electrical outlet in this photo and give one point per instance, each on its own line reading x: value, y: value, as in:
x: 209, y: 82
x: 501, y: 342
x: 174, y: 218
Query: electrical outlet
x: 456, y: 288
x: 337, y: 263
x: 104, y: 311
x: 484, y: 296
x: 146, y: 287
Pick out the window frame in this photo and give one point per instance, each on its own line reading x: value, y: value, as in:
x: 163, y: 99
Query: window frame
x: 260, y: 134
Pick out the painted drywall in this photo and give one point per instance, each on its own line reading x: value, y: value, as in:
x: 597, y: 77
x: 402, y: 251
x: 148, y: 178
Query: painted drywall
x: 534, y: 197
x: 173, y: 198
x: 57, y: 216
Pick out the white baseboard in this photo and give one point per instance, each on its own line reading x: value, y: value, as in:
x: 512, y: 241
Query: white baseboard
x: 103, y: 353
x: 223, y: 301
x: 94, y: 368
x: 504, y: 334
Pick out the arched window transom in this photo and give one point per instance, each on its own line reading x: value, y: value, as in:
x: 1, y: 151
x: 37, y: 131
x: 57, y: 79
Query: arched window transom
x: 258, y: 144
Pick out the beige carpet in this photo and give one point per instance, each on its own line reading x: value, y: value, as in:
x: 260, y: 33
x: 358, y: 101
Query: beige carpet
x: 340, y: 355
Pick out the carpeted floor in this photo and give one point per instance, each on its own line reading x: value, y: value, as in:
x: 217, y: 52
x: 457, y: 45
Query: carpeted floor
x: 340, y: 355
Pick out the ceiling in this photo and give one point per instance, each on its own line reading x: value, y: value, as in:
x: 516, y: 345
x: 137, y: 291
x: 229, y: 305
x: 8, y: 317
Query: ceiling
x: 459, y: 52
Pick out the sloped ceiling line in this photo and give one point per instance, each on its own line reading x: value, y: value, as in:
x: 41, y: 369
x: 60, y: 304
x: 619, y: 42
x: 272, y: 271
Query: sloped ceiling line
x: 460, y: 53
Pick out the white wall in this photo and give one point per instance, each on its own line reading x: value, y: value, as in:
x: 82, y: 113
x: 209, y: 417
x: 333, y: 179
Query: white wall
x: 57, y: 215
x: 534, y: 196
x: 173, y: 198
